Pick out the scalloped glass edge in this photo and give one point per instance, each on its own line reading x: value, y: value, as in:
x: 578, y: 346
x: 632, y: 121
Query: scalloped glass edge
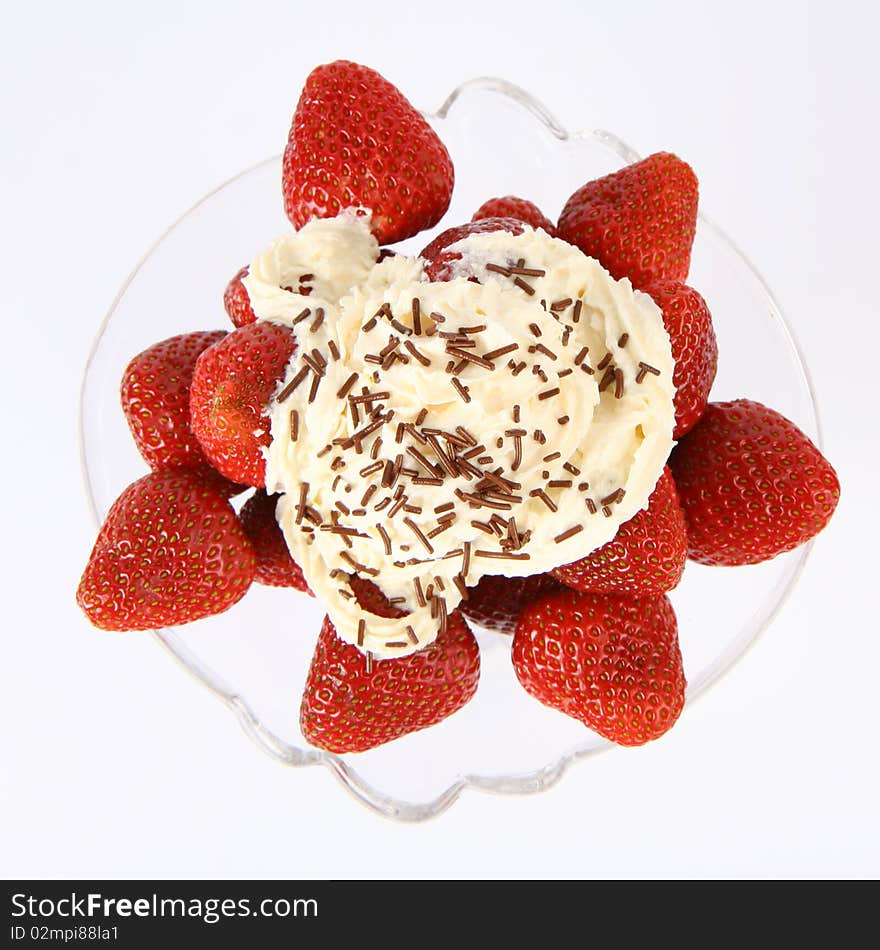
x: 516, y: 784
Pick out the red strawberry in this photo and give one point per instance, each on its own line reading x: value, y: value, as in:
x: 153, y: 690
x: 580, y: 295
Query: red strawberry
x: 155, y: 400
x: 518, y: 208
x: 231, y: 388
x: 440, y: 261
x: 639, y: 222
x: 751, y: 484
x: 372, y: 599
x: 356, y: 141
x: 496, y: 602
x: 237, y: 302
x: 645, y: 557
x: 346, y: 709
x: 612, y: 662
x: 275, y: 566
x: 694, y: 348
x: 170, y: 551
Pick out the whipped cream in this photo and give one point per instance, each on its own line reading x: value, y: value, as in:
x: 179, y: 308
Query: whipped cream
x: 506, y: 421
x: 322, y: 261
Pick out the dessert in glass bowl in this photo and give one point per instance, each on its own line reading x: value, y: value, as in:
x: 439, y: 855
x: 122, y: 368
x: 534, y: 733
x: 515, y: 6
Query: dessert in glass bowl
x: 481, y: 433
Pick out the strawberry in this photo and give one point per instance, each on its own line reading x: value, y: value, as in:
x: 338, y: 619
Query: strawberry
x: 237, y: 302
x: 694, y: 348
x: 345, y: 708
x: 356, y: 141
x: 170, y: 551
x: 751, y: 484
x: 275, y: 566
x: 371, y: 598
x: 231, y: 388
x: 440, y: 262
x: 518, y: 208
x: 496, y: 602
x: 155, y: 400
x: 646, y: 556
x: 638, y: 222
x: 612, y: 662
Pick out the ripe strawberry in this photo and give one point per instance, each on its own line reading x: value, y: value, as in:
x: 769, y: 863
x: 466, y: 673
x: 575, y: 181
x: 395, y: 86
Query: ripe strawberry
x: 518, y: 208
x: 346, y: 709
x: 356, y: 141
x: 638, y: 222
x: 612, y: 662
x: 170, y: 551
x: 440, y: 261
x: 275, y: 566
x: 646, y: 556
x: 496, y: 602
x: 237, y: 302
x: 231, y: 388
x: 751, y: 484
x: 372, y: 599
x: 155, y: 400
x: 694, y: 348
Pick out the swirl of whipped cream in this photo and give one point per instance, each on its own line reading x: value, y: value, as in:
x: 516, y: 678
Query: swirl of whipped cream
x: 427, y: 433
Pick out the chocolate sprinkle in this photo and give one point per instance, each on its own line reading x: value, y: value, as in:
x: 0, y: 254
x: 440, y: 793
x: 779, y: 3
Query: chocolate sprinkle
x: 316, y: 382
x: 301, y: 507
x: 527, y: 271
x: 417, y: 353
x: 313, y: 364
x: 461, y: 390
x: 417, y: 531
x: 292, y: 385
x: 417, y: 584
x: 346, y: 387
x: 540, y: 493
x: 570, y: 533
x: 498, y: 269
x: 386, y: 541
x: 501, y: 351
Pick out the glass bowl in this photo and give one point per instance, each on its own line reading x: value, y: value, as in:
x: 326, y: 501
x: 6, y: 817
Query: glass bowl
x: 256, y: 656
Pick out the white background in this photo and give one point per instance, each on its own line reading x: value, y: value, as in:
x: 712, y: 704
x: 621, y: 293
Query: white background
x: 116, y: 117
